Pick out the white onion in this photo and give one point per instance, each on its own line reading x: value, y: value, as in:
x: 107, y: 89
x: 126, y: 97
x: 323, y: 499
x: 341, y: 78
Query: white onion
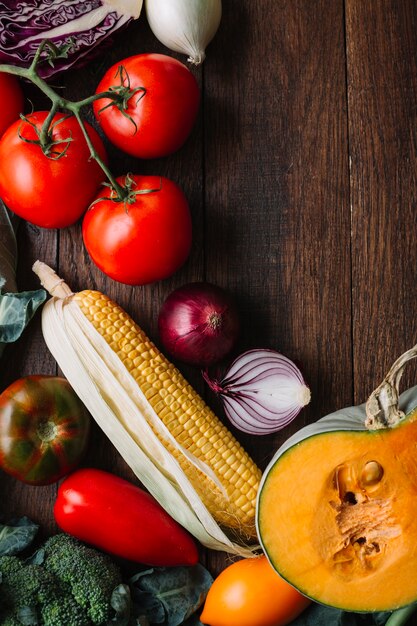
x: 185, y: 26
x: 262, y: 391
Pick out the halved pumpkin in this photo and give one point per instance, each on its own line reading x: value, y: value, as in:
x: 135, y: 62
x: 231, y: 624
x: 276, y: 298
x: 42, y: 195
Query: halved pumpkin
x: 337, y: 506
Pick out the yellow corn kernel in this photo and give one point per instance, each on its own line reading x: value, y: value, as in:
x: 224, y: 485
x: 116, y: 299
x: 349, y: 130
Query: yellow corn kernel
x: 186, y: 416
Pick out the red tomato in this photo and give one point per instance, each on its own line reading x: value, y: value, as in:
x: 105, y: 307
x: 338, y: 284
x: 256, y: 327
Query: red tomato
x: 11, y: 100
x: 44, y: 429
x: 47, y: 191
x: 142, y: 241
x: 163, y: 115
x: 116, y: 516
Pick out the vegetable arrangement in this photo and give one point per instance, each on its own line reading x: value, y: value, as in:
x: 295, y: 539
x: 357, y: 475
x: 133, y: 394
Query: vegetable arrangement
x: 349, y: 532
x: 66, y: 583
x: 53, y: 163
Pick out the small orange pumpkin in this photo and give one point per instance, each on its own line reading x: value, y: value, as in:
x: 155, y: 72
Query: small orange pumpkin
x: 337, y: 505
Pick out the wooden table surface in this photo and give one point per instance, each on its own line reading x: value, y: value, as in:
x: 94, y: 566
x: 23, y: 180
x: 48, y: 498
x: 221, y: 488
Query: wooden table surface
x: 301, y: 174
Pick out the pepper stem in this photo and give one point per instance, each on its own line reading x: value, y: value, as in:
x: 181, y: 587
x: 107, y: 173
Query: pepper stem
x: 382, y: 409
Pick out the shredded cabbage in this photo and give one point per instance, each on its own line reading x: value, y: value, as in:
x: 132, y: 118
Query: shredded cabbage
x: 77, y: 26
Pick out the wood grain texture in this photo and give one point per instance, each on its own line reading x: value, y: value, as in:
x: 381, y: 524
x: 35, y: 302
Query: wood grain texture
x: 301, y: 178
x: 277, y: 186
x: 382, y: 79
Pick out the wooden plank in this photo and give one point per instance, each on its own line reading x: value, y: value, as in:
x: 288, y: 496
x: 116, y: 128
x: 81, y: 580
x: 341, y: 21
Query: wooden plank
x: 277, y: 190
x: 382, y: 77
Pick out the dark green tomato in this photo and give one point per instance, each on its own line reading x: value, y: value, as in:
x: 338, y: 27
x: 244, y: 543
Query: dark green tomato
x: 44, y: 429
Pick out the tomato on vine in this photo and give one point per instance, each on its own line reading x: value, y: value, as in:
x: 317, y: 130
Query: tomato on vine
x: 49, y: 178
x: 156, y: 108
x: 145, y: 237
x: 11, y: 101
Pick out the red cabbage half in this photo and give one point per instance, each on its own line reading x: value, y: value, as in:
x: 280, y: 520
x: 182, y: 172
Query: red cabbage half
x: 81, y: 24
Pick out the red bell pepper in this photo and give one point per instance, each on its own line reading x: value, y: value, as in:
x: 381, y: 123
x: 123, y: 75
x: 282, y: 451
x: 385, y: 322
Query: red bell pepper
x: 118, y: 517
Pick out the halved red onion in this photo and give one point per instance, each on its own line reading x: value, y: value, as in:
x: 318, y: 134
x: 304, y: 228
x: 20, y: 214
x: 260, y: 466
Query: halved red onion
x: 262, y: 391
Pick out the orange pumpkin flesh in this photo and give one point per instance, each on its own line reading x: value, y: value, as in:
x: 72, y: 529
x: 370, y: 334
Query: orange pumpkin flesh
x: 337, y: 517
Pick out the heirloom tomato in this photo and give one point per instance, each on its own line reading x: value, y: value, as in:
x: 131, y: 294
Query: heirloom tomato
x: 250, y: 593
x: 159, y: 115
x: 54, y: 190
x: 11, y: 100
x: 141, y: 240
x: 120, y: 518
x: 43, y: 429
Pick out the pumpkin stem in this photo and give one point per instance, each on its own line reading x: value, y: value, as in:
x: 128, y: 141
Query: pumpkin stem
x: 382, y: 409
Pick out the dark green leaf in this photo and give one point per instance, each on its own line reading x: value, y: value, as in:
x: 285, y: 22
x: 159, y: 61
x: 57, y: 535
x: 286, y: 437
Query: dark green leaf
x: 16, y: 310
x: 16, y: 536
x: 169, y: 596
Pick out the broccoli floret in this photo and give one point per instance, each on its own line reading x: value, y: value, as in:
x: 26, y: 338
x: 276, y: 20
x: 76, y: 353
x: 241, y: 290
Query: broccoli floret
x: 16, y: 590
x: 89, y: 575
x: 32, y: 586
x: 71, y: 587
x: 63, y: 610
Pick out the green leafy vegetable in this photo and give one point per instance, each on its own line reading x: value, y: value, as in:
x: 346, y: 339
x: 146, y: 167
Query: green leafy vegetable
x: 16, y: 309
x: 17, y: 536
x: 169, y: 596
x: 68, y: 584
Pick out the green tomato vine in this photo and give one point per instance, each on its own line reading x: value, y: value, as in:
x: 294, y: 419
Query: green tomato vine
x: 119, y: 95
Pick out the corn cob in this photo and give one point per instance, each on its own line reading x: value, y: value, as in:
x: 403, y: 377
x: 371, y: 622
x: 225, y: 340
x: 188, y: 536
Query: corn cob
x: 228, y: 489
x: 184, y: 413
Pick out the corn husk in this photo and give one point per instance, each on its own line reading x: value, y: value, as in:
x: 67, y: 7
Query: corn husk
x: 122, y: 411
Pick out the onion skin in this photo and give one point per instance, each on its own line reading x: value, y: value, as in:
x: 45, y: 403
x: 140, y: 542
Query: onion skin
x: 198, y: 324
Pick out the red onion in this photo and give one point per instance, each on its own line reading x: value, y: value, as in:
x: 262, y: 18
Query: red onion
x: 198, y: 324
x: 262, y: 391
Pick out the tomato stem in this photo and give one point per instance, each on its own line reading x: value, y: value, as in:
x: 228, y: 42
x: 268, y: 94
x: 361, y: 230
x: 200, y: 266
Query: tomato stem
x: 121, y: 192
x: 60, y: 103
